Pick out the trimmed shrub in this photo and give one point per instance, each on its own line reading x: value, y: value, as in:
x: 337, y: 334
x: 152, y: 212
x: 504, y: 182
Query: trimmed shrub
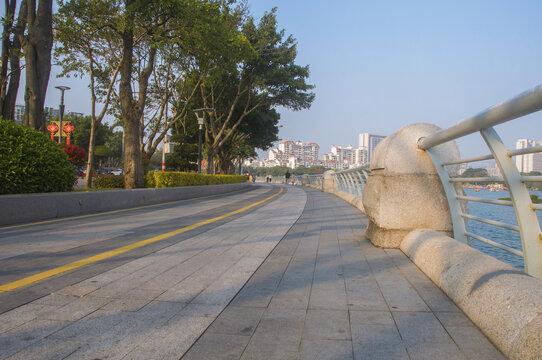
x: 159, y: 179
x: 109, y: 181
x: 31, y: 163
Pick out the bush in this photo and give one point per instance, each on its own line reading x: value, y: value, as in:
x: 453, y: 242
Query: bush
x: 109, y: 181
x: 30, y: 162
x: 159, y: 179
x: 77, y: 154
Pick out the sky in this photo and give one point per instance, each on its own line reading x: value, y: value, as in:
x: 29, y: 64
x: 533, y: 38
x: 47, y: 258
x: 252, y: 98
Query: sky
x: 383, y: 64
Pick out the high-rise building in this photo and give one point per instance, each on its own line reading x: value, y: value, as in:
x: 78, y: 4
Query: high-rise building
x: 369, y: 142
x: 305, y: 151
x: 294, y: 154
x: 19, y: 113
x: 528, y: 162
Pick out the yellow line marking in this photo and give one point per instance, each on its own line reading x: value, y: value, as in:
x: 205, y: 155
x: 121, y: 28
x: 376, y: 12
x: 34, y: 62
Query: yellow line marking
x: 111, y: 212
x: 105, y: 255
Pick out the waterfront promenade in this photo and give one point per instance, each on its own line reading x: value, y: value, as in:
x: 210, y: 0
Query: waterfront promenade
x: 290, y: 278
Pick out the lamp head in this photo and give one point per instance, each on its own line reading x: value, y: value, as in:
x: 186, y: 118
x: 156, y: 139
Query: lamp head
x: 62, y: 88
x: 200, y: 118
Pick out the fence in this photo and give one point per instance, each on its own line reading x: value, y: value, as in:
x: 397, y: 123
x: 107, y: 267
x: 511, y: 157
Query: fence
x: 527, y: 220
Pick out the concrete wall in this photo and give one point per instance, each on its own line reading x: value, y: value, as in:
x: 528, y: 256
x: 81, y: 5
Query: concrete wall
x: 15, y: 209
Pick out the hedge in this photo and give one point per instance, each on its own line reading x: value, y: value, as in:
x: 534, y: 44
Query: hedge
x: 30, y: 162
x: 159, y: 179
x: 108, y: 181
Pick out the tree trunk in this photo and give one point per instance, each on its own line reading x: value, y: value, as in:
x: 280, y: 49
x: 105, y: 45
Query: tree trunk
x: 37, y: 47
x: 91, y: 147
x: 133, y: 171
x: 11, y: 52
x: 9, y: 9
x: 210, y: 161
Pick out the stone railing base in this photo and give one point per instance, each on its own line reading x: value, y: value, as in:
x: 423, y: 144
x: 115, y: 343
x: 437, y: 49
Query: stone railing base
x: 504, y: 302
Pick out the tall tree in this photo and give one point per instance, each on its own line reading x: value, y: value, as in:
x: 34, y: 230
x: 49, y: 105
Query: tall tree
x: 87, y: 45
x: 10, y: 71
x: 268, y: 77
x: 37, y: 43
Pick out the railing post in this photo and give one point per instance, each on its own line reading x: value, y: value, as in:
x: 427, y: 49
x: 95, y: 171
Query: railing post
x: 529, y: 227
x: 352, y: 186
x: 454, y: 205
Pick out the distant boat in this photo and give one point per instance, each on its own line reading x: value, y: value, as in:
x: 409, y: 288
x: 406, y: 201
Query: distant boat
x: 476, y: 190
x: 493, y: 190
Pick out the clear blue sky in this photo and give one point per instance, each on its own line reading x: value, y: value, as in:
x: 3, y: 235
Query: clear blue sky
x: 382, y: 64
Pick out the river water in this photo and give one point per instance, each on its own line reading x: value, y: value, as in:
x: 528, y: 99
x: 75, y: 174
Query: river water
x: 504, y: 214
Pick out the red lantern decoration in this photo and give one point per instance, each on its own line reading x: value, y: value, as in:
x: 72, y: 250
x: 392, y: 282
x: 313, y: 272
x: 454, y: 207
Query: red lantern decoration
x: 68, y: 128
x: 53, y: 129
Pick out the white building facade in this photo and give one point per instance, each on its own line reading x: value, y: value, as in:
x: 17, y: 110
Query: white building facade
x: 369, y: 142
x: 294, y: 154
x: 528, y: 162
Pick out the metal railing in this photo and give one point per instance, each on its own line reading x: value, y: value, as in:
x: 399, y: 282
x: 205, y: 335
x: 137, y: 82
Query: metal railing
x: 315, y: 180
x: 352, y: 180
x: 527, y: 220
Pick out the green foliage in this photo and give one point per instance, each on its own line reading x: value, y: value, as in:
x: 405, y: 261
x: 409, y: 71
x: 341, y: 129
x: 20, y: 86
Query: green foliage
x: 533, y: 185
x: 30, y: 162
x: 185, y: 151
x: 475, y: 172
x: 109, y: 182
x: 158, y: 179
x: 534, y: 199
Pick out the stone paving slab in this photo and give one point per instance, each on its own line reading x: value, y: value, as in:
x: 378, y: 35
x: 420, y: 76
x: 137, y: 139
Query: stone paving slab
x: 325, y: 292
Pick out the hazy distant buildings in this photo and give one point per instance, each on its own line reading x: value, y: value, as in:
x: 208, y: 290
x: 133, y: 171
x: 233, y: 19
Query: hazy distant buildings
x: 369, y: 142
x: 345, y: 157
x: 293, y: 154
x: 528, y: 162
x: 19, y: 113
x: 50, y: 112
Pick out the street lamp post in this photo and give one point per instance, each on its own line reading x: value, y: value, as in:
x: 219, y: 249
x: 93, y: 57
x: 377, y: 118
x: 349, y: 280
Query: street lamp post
x: 61, y: 107
x: 199, y: 115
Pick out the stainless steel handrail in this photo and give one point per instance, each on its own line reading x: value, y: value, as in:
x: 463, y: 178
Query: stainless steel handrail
x: 528, y: 224
x: 352, y: 180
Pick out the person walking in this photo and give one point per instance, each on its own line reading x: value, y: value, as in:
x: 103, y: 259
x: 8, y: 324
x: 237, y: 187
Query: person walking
x: 287, y: 176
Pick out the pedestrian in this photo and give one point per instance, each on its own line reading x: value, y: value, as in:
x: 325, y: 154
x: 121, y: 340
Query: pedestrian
x: 270, y: 178
x: 293, y: 179
x: 287, y: 176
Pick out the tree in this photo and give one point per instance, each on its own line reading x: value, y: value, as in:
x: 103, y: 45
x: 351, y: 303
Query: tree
x: 37, y: 43
x: 88, y: 46
x: 475, y: 172
x: 10, y: 61
x: 265, y: 77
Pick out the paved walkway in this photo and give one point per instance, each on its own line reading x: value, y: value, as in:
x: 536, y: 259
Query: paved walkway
x: 293, y: 279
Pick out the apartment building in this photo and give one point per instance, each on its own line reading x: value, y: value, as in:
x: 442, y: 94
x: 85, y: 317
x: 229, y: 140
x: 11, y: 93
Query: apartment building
x: 528, y: 162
